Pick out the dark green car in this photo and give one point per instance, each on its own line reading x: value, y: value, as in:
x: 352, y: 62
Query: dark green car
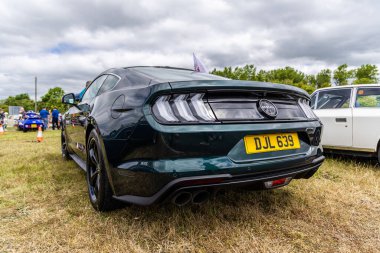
x: 147, y: 135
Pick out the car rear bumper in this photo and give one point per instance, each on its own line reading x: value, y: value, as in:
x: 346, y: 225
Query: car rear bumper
x: 214, y: 181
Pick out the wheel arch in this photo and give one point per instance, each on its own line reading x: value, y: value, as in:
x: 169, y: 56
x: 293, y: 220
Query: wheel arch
x: 91, y: 126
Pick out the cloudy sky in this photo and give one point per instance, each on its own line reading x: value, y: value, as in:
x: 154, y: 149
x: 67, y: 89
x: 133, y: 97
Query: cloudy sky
x: 66, y: 42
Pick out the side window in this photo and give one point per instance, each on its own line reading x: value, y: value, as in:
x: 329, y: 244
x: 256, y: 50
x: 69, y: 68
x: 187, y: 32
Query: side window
x: 313, y: 100
x: 108, y: 84
x: 368, y: 97
x: 94, y: 88
x: 332, y: 99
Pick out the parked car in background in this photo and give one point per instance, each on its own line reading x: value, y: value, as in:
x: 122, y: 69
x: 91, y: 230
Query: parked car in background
x: 32, y: 121
x: 351, y: 118
x: 146, y: 135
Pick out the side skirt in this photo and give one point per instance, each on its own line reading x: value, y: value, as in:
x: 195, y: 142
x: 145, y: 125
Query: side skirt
x: 349, y: 152
x: 80, y: 162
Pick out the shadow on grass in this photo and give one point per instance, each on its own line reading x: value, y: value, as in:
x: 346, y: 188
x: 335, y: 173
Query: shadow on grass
x: 225, y: 207
x: 233, y: 206
x: 367, y: 161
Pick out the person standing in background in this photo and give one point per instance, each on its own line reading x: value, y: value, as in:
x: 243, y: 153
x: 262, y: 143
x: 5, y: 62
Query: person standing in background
x: 22, y: 113
x: 44, y: 116
x: 2, y: 117
x: 79, y: 96
x: 55, y: 115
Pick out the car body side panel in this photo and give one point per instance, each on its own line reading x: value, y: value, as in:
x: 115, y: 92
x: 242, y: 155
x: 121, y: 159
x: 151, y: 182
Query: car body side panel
x: 366, y: 130
x: 337, y: 124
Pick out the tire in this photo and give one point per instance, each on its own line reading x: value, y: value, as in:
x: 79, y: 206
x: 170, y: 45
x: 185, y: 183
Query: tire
x: 64, y: 147
x: 24, y: 130
x: 99, y: 188
x: 378, y: 154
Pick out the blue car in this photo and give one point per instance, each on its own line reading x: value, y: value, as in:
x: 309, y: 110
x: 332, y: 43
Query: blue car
x: 32, y: 121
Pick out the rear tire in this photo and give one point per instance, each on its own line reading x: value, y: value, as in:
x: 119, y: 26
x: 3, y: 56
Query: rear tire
x: 99, y: 188
x: 64, y: 147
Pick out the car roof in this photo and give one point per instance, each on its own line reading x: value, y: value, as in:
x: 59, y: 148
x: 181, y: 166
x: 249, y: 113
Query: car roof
x: 163, y: 74
x: 349, y: 86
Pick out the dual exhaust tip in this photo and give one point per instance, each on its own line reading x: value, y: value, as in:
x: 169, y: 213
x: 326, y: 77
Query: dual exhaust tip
x: 197, y: 197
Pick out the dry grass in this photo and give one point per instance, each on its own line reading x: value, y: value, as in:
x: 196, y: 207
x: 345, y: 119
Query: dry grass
x: 44, y: 208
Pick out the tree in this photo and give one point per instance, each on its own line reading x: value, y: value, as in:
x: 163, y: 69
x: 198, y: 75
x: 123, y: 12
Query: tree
x: 323, y: 78
x: 20, y: 100
x: 52, y: 99
x: 341, y: 75
x: 248, y: 72
x: 287, y: 75
x: 366, y: 73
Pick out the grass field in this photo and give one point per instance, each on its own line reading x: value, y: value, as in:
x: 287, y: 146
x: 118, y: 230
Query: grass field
x: 44, y: 208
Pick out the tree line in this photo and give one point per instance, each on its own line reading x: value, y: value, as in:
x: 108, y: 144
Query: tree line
x: 50, y: 100
x: 364, y: 74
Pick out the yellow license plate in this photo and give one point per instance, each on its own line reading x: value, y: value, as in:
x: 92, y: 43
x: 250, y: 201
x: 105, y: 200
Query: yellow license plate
x: 271, y: 142
x: 34, y: 126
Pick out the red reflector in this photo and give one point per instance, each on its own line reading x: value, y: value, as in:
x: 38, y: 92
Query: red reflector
x: 278, y: 181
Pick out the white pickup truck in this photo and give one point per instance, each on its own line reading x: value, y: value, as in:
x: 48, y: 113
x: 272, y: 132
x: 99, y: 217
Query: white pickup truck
x: 351, y: 118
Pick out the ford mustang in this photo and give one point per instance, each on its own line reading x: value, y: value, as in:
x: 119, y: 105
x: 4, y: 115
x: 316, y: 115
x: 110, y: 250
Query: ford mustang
x: 147, y: 135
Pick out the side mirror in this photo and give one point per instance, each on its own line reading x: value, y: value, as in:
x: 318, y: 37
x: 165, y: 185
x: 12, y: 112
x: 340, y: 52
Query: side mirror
x: 68, y: 99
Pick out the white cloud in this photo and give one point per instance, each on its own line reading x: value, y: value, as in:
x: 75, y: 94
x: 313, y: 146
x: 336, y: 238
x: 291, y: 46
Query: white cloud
x: 65, y: 43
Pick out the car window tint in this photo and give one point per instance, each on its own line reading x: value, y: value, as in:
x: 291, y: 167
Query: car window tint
x: 158, y: 75
x: 367, y: 97
x: 134, y: 79
x: 108, y: 84
x: 94, y: 88
x: 331, y: 99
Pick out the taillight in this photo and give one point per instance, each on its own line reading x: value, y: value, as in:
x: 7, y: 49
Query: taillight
x: 277, y: 182
x: 182, y: 108
x: 304, y: 104
x: 163, y: 110
x: 314, y: 135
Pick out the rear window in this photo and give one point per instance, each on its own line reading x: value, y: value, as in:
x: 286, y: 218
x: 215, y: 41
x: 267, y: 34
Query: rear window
x: 367, y: 97
x: 158, y: 75
x: 332, y: 99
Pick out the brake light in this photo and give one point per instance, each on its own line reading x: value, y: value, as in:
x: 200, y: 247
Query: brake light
x: 200, y: 109
x: 164, y: 110
x: 182, y: 108
x: 278, y: 182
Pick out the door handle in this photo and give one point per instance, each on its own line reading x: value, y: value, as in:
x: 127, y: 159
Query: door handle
x: 341, y: 120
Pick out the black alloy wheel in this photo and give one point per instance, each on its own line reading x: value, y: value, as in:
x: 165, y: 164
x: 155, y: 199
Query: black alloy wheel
x: 64, y: 150
x: 99, y: 189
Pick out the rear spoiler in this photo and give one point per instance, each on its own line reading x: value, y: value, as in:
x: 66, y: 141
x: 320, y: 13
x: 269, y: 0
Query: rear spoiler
x: 237, y: 85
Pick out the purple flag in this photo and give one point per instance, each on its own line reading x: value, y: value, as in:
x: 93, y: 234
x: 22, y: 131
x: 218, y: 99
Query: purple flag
x: 198, y: 65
